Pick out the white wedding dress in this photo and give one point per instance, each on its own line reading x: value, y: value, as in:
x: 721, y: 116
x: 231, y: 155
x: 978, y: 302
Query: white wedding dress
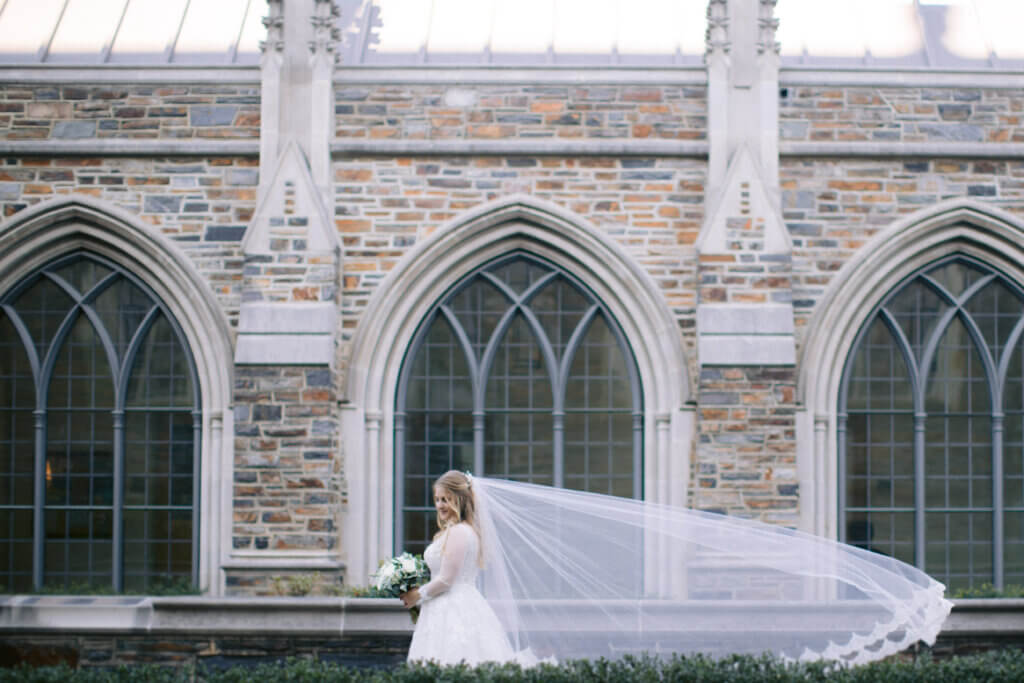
x: 456, y: 623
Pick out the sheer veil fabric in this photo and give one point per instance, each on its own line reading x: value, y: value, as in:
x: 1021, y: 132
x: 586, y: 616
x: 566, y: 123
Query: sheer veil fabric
x: 581, y: 575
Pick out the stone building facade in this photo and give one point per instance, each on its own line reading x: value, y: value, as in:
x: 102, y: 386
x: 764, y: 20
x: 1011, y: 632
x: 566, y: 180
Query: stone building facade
x: 740, y: 220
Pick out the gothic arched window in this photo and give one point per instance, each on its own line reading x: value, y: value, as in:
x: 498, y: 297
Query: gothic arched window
x: 99, y: 433
x: 931, y: 426
x: 520, y: 373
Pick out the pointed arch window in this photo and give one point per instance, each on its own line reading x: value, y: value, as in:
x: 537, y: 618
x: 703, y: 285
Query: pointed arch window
x: 99, y: 433
x: 931, y: 426
x: 521, y: 373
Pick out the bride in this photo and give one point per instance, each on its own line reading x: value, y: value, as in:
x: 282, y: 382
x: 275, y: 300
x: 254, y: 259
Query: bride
x: 531, y: 573
x: 456, y: 623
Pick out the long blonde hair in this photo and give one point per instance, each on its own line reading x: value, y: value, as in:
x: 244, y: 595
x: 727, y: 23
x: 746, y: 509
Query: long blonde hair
x: 459, y: 488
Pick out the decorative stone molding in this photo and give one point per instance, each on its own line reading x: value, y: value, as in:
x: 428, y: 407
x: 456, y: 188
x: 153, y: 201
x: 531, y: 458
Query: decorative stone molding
x: 274, y: 23
x: 325, y: 29
x: 767, y: 26
x: 43, y: 232
x: 424, y: 274
x: 716, y: 35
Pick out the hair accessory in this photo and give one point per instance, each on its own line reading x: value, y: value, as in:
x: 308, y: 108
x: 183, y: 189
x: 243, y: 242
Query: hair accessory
x: 469, y: 477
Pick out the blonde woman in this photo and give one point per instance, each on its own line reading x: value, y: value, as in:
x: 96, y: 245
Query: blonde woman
x: 456, y: 623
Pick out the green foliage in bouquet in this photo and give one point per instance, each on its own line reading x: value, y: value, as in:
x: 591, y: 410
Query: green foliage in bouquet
x: 398, y: 575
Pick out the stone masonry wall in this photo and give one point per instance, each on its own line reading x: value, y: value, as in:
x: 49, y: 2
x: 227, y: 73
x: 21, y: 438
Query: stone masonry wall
x: 287, y: 493
x: 746, y: 450
x: 653, y: 209
x: 832, y: 208
x: 901, y: 114
x: 77, y: 112
x: 495, y: 111
x: 204, y: 205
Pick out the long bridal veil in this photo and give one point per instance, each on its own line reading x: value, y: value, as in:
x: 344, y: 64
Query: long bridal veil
x: 574, y: 575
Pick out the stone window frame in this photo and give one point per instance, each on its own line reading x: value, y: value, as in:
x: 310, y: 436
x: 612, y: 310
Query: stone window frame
x: 55, y: 228
x: 419, y: 281
x: 956, y: 226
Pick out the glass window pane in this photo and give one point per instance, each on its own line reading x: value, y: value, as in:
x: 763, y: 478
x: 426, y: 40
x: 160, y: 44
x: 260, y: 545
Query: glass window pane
x: 957, y: 476
x: 161, y: 374
x: 78, y: 473
x: 43, y: 307
x: 599, y: 450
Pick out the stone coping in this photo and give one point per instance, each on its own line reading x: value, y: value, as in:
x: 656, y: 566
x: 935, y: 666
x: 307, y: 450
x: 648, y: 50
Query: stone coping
x: 323, y: 616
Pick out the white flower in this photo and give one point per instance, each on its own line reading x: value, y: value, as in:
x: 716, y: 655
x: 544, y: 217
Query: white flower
x: 408, y: 564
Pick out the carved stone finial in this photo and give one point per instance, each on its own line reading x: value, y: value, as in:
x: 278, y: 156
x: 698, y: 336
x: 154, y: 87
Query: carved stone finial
x: 274, y: 23
x: 325, y: 29
x: 716, y: 36
x: 767, y: 26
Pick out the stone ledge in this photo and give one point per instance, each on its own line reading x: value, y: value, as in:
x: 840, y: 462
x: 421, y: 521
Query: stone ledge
x: 523, y: 147
x: 130, y: 147
x: 321, y: 616
x: 899, y: 150
x: 317, y: 616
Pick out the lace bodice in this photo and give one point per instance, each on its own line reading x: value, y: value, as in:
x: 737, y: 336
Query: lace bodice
x: 452, y: 560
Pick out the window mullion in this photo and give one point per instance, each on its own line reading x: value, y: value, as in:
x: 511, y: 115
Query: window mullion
x: 919, y: 498
x: 841, y: 438
x: 118, y: 503
x: 197, y: 511
x: 38, y: 526
x: 997, y: 498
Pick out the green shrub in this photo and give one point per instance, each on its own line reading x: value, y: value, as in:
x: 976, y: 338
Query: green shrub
x: 1006, y: 665
x: 987, y: 590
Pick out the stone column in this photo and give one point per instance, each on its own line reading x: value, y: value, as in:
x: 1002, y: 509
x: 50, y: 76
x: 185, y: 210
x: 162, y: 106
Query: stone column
x: 746, y: 447
x: 287, y: 469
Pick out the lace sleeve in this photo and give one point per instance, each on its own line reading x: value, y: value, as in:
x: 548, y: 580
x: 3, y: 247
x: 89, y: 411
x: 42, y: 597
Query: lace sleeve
x: 452, y: 557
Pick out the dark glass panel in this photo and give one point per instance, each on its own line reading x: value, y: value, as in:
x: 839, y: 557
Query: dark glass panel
x: 1013, y: 547
x: 598, y: 378
x: 917, y: 308
x: 42, y: 307
x: 478, y: 309
x: 956, y: 380
x: 559, y: 307
x: 519, y: 376
x: 17, y: 460
x: 519, y: 273
x: 956, y: 276
x: 82, y: 273
x: 160, y: 375
x: 122, y: 306
x: 996, y: 309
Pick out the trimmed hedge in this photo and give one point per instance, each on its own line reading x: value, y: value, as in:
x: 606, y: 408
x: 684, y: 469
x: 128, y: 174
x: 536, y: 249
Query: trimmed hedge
x: 1005, y: 665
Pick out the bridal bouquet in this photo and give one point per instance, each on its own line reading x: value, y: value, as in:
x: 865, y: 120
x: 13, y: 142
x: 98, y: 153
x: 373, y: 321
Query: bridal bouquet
x: 401, y: 574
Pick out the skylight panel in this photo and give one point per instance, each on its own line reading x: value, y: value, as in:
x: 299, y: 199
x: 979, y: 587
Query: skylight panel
x: 210, y: 29
x: 890, y: 27
x: 656, y: 26
x: 825, y: 29
x: 587, y: 26
x: 252, y: 29
x: 526, y: 26
x: 1001, y: 22
x: 460, y: 26
x: 963, y: 36
x: 86, y: 28
x: 26, y: 26
x: 148, y: 30
x: 404, y: 25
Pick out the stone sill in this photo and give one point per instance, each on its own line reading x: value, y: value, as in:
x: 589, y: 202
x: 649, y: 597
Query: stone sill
x: 333, y: 617
x: 201, y: 615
